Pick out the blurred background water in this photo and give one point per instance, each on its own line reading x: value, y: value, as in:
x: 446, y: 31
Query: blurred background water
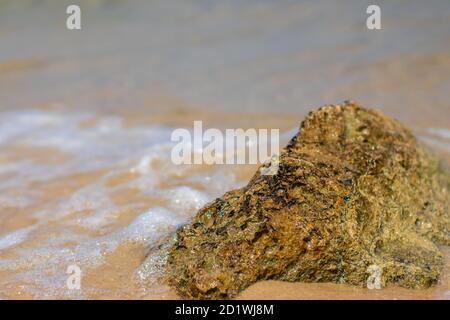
x: 280, y: 56
x: 86, y: 116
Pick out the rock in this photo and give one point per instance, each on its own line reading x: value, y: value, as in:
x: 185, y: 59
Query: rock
x: 355, y: 192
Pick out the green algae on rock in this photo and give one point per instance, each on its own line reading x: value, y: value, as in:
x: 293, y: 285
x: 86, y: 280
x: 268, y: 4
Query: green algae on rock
x: 354, y: 190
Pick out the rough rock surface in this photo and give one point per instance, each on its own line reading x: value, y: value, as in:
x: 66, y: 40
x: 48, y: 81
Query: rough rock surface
x: 354, y: 190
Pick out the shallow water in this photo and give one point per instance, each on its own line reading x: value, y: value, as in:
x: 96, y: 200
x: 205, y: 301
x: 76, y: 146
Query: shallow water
x: 86, y: 117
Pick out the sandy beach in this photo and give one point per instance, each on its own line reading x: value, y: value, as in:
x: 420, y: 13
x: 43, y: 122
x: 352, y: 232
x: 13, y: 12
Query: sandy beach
x: 86, y: 117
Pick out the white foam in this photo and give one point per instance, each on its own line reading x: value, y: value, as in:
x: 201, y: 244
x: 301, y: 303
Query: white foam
x: 107, y: 145
x: 151, y: 225
x: 15, y: 237
x: 185, y: 201
x: 437, y: 137
x: 443, y: 133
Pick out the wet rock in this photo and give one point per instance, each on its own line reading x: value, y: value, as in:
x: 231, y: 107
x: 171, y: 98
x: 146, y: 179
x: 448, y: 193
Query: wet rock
x: 354, y: 192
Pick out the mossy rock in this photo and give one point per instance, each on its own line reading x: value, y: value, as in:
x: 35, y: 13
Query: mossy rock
x: 354, y: 189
